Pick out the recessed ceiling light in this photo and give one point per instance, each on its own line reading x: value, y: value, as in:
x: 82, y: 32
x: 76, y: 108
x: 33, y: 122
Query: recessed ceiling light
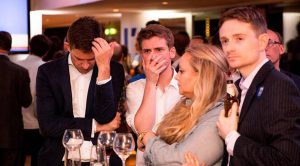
x: 165, y: 3
x: 116, y: 10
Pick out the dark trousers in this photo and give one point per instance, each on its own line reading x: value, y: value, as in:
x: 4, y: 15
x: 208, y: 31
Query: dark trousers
x: 10, y: 157
x: 32, y: 144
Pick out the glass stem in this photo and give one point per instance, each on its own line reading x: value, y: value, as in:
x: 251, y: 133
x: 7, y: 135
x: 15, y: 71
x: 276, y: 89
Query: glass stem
x: 107, y: 158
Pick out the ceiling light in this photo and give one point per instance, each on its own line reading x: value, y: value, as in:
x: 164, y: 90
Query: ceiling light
x: 116, y: 10
x: 165, y: 3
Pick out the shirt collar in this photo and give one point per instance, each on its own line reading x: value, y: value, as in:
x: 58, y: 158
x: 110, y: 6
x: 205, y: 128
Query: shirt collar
x: 174, y: 81
x: 70, y: 60
x: 4, y: 54
x: 245, y: 83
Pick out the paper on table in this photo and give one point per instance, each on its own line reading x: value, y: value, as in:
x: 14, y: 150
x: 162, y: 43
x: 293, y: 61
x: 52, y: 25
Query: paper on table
x: 85, y: 152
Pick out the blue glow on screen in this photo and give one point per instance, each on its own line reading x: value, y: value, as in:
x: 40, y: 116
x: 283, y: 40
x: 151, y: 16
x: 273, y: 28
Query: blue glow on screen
x: 14, y: 19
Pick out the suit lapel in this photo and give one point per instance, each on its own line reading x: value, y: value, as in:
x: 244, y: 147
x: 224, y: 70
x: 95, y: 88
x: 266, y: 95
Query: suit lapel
x: 91, y: 92
x: 64, y: 75
x: 255, y: 87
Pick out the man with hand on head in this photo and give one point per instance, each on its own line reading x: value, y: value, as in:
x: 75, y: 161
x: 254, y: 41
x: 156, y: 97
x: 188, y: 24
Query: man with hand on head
x: 78, y: 91
x: 275, y: 50
x: 267, y: 130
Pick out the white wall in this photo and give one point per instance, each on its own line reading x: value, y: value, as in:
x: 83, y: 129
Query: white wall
x: 35, y: 23
x: 290, y: 20
x: 52, y: 4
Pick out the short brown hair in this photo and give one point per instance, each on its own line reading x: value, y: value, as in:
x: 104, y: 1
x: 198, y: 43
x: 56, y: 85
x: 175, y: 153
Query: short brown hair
x: 39, y: 45
x: 156, y: 30
x: 82, y: 33
x: 248, y: 15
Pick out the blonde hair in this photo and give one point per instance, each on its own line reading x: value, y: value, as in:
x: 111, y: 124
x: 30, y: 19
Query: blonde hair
x: 210, y: 64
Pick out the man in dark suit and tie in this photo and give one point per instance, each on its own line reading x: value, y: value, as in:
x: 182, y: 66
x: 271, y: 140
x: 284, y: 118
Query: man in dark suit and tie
x: 14, y: 94
x: 78, y: 91
x: 267, y: 132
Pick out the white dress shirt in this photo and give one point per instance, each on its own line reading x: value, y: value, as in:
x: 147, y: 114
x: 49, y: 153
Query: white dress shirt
x: 79, y: 87
x: 165, y: 101
x: 244, y: 85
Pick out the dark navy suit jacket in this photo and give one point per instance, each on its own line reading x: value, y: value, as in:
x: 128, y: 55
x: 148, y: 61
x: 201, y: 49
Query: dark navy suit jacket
x: 269, y: 123
x: 54, y: 106
x: 294, y: 77
x: 14, y: 93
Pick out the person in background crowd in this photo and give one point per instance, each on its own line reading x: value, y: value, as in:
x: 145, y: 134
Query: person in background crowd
x: 152, y: 22
x: 39, y: 46
x: 293, y: 50
x: 56, y: 46
x: 191, y: 125
x: 264, y: 128
x: 181, y: 42
x: 275, y: 50
x: 14, y: 94
x: 150, y: 98
x: 196, y: 40
x: 118, y: 56
x: 62, y: 51
x: 78, y: 91
x: 126, y: 62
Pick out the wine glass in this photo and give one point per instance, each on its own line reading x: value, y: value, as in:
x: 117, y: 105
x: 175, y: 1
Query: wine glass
x: 72, y: 141
x: 123, y: 145
x: 106, y: 139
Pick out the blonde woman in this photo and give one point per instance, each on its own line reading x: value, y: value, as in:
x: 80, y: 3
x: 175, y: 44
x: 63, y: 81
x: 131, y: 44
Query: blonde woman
x: 191, y: 125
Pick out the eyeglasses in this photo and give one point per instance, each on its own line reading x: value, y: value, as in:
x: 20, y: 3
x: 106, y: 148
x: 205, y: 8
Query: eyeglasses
x: 272, y: 42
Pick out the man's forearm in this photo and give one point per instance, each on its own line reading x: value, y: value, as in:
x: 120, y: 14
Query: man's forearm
x: 145, y: 116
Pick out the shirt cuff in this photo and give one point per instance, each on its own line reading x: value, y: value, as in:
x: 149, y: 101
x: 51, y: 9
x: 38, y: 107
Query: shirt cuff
x: 101, y: 82
x: 93, y: 128
x: 230, y: 141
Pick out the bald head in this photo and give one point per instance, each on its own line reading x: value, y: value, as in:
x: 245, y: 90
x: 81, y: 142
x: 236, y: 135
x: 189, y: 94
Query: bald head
x: 117, y: 55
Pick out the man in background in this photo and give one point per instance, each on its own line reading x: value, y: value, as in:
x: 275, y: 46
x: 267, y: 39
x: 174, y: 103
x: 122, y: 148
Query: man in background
x: 197, y: 40
x: 14, y: 94
x: 181, y: 42
x: 39, y: 46
x: 275, y: 50
x: 293, y: 50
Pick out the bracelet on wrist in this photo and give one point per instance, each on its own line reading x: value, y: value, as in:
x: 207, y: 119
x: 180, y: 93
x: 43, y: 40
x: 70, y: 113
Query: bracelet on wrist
x: 141, y: 137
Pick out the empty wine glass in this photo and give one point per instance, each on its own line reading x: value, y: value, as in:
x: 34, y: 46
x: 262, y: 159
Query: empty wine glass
x: 106, y: 139
x: 72, y: 141
x: 123, y: 145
